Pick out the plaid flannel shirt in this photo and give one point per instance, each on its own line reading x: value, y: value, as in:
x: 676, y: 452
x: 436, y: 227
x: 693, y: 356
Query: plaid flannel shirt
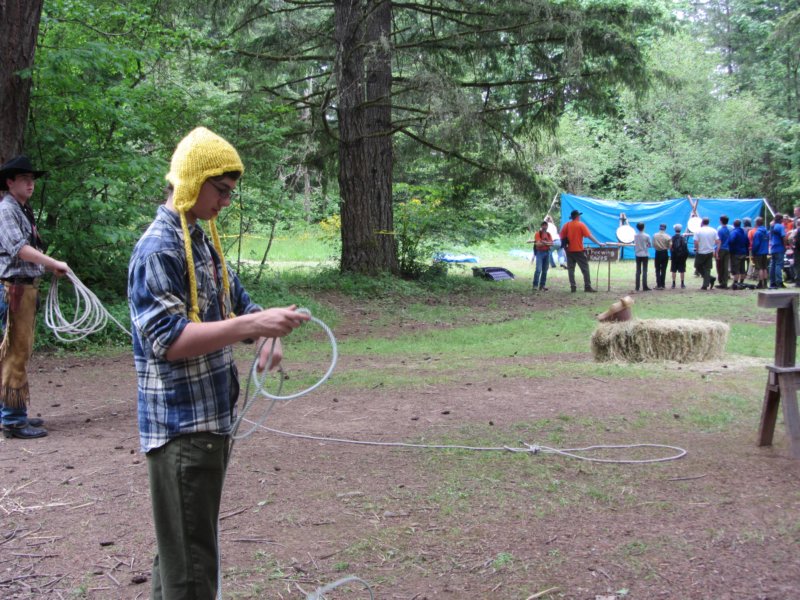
x: 193, y: 394
x: 15, y: 232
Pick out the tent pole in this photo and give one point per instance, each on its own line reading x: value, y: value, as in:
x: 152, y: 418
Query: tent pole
x: 766, y: 203
x: 552, y: 204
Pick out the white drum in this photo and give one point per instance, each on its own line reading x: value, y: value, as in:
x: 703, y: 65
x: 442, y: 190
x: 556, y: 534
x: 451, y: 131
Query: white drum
x: 695, y: 223
x: 625, y: 234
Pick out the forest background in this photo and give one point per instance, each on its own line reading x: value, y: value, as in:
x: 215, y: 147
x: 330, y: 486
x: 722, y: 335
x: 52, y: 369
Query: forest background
x: 393, y: 128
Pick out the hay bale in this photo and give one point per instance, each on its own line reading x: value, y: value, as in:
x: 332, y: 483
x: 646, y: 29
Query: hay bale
x: 681, y: 340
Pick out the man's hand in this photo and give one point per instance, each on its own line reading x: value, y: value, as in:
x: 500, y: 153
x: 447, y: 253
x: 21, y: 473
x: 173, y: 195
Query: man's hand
x: 59, y: 268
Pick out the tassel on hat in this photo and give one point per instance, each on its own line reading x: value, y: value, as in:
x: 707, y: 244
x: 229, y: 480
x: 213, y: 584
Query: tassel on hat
x: 200, y: 155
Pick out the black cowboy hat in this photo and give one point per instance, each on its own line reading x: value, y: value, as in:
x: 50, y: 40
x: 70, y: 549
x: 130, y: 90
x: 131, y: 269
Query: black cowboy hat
x: 16, y: 166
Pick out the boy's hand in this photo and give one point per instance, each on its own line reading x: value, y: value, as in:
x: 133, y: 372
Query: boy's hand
x: 275, y: 359
x: 276, y: 322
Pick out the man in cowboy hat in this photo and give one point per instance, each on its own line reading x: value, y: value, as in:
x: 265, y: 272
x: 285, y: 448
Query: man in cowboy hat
x: 22, y: 263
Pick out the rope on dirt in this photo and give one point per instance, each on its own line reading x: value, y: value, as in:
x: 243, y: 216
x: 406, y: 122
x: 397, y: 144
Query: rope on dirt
x: 524, y: 449
x: 258, y: 381
x: 319, y: 593
x: 90, y: 314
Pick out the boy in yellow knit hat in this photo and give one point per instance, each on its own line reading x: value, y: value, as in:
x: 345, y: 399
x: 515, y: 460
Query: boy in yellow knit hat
x: 187, y: 309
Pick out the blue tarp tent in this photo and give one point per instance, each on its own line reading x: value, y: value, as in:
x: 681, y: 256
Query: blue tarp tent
x: 602, y: 216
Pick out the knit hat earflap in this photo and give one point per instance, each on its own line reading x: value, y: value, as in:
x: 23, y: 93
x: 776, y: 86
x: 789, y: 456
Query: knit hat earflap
x: 200, y: 155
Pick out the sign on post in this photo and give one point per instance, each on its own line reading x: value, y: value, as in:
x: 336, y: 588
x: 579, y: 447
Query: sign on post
x: 606, y: 254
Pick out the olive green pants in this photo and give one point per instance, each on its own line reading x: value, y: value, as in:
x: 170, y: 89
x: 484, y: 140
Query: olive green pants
x: 186, y: 478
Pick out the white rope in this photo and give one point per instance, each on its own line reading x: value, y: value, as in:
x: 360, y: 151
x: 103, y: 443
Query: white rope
x: 90, y: 314
x: 257, y: 380
x: 319, y: 593
x: 525, y: 448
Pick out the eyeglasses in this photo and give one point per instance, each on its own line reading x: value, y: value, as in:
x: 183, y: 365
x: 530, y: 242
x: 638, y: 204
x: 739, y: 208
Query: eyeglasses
x: 225, y: 193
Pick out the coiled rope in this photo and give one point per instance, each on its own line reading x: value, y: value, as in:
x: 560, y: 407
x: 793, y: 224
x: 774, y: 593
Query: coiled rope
x: 90, y: 314
x: 256, y: 382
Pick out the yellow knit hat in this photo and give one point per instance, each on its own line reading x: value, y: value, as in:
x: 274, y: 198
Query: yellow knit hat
x: 200, y: 155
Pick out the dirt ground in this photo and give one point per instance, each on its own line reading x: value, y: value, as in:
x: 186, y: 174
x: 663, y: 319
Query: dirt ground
x: 721, y: 523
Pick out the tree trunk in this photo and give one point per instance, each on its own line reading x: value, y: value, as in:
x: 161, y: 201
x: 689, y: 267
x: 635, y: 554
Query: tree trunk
x: 363, y: 71
x: 378, y: 115
x: 20, y: 20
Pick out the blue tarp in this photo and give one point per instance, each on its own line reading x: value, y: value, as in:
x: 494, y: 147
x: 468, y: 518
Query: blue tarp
x: 602, y: 216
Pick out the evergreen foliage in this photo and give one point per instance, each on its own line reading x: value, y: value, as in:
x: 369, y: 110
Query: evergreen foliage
x: 493, y: 108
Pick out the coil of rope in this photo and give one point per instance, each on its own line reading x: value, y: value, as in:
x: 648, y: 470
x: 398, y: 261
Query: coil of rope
x: 256, y: 381
x: 90, y: 314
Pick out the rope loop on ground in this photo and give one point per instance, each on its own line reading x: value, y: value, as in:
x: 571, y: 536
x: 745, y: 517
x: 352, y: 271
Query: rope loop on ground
x: 90, y: 314
x: 319, y: 593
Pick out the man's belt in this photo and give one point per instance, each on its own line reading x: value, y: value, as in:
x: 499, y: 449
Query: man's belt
x: 19, y: 280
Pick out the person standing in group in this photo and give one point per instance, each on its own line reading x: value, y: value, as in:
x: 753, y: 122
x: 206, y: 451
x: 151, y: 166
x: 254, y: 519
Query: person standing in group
x: 187, y: 310
x: 795, y: 241
x: 723, y: 253
x: 641, y: 248
x: 22, y: 264
x: 749, y: 230
x: 791, y: 244
x: 705, y: 243
x: 558, y: 256
x: 661, y: 243
x: 759, y: 250
x: 739, y: 248
x: 572, y: 234
x: 679, y: 252
x: 542, y: 244
x: 777, y: 251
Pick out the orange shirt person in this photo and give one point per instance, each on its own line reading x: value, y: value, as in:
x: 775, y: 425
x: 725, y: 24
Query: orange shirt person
x: 572, y: 235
